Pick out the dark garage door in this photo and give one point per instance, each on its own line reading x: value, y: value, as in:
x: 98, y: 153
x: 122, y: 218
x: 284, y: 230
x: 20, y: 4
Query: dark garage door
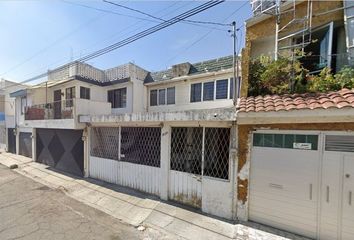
x: 61, y: 149
x: 11, y: 141
x: 25, y: 148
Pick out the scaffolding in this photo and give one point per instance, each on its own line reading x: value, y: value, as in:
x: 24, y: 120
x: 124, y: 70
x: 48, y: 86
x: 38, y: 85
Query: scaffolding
x: 287, y: 41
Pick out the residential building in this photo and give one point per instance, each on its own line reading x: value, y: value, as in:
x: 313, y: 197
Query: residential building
x: 295, y: 151
x: 8, y: 114
x: 317, y: 33
x: 296, y: 163
x: 48, y: 113
x: 170, y: 133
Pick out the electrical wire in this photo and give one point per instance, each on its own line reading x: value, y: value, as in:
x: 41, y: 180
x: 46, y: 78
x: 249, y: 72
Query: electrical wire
x: 208, y: 33
x: 126, y: 28
x: 51, y: 45
x: 161, y: 19
x: 149, y: 31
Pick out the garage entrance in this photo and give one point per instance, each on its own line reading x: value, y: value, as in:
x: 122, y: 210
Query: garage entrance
x: 303, y: 183
x: 61, y: 149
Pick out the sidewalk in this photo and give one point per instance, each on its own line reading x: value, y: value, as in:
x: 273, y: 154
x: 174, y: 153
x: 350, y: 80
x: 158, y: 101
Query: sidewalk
x: 139, y: 209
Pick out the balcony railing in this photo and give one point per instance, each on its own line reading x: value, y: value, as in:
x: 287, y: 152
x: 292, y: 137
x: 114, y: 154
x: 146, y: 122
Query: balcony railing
x: 54, y: 110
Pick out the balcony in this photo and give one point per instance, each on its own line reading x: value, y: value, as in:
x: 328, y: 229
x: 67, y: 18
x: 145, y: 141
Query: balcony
x: 63, y: 114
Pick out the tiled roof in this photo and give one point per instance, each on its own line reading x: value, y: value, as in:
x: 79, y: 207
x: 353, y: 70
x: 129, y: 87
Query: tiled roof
x: 287, y: 102
x: 212, y: 65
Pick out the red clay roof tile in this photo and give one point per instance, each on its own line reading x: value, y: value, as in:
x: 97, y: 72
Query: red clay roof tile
x: 287, y: 102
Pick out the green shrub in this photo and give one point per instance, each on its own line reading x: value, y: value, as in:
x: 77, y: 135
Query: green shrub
x: 280, y: 76
x: 326, y: 81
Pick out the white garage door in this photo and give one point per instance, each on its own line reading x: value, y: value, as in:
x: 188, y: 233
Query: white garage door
x: 284, y: 182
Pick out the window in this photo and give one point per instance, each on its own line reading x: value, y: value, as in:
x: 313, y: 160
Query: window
x: 213, y: 90
x: 232, y: 88
x: 84, y: 93
x: 221, y: 89
x: 23, y: 105
x: 118, y: 97
x: 153, y: 98
x: 171, y: 95
x: 187, y: 151
x: 285, y: 140
x: 69, y: 96
x: 196, y: 92
x: 208, y: 91
x: 162, y: 96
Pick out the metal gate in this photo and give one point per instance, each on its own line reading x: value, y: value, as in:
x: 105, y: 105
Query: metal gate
x: 11, y: 143
x: 196, y: 153
x: 25, y: 144
x: 128, y: 156
x: 61, y: 149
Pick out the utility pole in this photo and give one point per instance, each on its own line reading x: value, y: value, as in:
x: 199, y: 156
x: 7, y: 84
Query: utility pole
x: 235, y: 64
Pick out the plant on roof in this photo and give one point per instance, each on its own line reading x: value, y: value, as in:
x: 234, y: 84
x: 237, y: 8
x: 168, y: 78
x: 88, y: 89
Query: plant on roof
x: 280, y: 76
x: 327, y: 81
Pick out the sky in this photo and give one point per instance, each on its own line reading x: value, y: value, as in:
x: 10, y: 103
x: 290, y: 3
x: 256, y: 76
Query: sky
x: 39, y: 35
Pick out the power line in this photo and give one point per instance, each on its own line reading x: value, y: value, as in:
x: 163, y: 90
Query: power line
x: 161, y: 19
x: 127, y: 27
x: 147, y: 32
x: 191, y: 22
x: 51, y: 45
x: 207, y: 33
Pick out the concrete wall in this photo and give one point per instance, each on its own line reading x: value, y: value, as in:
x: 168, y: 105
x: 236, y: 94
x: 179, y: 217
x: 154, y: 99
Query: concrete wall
x: 244, y: 148
x: 259, y: 34
x: 182, y: 95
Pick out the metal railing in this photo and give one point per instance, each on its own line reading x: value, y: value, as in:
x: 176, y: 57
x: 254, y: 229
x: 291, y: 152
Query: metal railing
x: 55, y: 110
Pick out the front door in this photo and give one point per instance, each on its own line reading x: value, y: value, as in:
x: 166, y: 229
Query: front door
x: 347, y: 229
x: 57, y: 104
x: 337, y: 187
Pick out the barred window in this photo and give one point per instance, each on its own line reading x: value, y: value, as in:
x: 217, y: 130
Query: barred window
x: 141, y: 145
x: 105, y: 142
x: 216, y: 158
x: 187, y: 151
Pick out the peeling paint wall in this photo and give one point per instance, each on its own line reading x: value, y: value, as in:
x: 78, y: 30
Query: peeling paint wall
x: 244, y: 148
x: 256, y: 33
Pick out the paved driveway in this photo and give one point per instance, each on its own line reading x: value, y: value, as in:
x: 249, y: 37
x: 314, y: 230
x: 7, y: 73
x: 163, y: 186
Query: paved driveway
x: 29, y: 210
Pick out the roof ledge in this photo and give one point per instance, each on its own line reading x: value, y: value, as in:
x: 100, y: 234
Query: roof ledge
x: 191, y: 115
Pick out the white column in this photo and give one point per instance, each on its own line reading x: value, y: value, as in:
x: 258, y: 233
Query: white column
x: 165, y: 160
x: 86, y: 139
x: 34, y: 144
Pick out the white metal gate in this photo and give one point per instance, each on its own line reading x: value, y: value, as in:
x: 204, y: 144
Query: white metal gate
x: 197, y: 153
x: 128, y: 156
x: 303, y: 183
x: 337, y: 187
